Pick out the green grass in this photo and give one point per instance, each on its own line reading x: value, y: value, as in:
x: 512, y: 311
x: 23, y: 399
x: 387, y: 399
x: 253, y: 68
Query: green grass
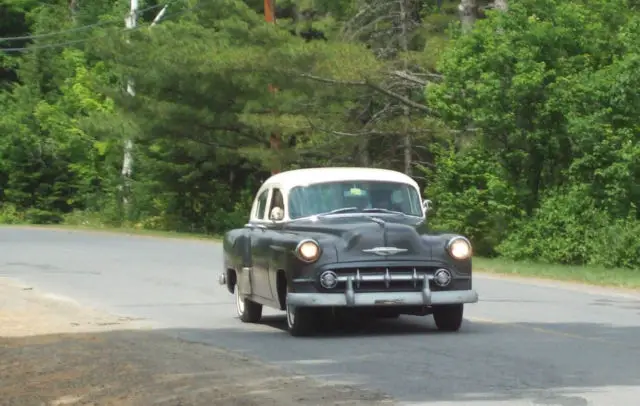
x: 121, y: 230
x: 138, y: 231
x: 592, y: 275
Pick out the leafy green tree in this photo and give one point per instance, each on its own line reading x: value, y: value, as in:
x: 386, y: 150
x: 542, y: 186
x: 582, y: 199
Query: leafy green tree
x: 523, y: 126
x: 540, y: 89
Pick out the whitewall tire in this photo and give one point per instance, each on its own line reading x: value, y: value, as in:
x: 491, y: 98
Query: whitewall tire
x: 300, y: 321
x: 248, y: 310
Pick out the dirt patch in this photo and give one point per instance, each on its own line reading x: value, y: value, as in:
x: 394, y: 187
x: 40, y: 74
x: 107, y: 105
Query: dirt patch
x: 55, y: 352
x: 25, y: 311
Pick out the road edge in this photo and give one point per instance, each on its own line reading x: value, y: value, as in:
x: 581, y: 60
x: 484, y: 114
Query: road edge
x: 577, y: 286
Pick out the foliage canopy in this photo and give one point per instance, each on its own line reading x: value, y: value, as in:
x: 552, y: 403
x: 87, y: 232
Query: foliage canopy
x: 523, y: 129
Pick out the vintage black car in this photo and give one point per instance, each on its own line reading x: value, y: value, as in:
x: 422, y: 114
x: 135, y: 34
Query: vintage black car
x: 345, y: 238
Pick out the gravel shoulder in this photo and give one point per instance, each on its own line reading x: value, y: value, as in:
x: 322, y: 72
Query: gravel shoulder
x: 54, y: 351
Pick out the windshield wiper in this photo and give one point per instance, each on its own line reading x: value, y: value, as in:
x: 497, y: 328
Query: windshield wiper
x: 338, y: 211
x: 377, y: 210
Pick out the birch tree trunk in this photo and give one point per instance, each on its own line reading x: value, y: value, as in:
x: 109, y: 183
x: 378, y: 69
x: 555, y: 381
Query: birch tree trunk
x: 468, y: 13
x: 405, y: 47
x: 363, y: 151
x: 501, y: 5
x: 73, y: 5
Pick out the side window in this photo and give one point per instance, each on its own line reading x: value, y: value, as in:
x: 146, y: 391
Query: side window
x: 262, y: 205
x: 276, y: 200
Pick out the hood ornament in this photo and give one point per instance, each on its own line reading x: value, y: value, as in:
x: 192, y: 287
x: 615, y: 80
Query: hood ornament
x: 385, y: 250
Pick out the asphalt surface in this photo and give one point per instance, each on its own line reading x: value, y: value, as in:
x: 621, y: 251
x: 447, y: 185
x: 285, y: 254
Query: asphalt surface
x: 524, y: 343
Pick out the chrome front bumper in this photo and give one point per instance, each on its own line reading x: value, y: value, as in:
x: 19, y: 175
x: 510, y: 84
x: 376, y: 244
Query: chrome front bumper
x: 351, y: 298
x: 422, y: 298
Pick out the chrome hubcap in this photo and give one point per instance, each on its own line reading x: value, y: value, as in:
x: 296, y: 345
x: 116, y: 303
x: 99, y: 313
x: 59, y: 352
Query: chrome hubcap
x: 291, y: 317
x: 239, y: 302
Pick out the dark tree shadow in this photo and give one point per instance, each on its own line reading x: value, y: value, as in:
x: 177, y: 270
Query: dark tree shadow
x: 545, y: 363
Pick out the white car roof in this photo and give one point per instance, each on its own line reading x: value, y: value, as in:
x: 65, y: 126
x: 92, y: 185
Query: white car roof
x: 303, y: 177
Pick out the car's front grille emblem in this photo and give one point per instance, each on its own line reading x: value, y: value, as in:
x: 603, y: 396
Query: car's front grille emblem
x: 385, y: 250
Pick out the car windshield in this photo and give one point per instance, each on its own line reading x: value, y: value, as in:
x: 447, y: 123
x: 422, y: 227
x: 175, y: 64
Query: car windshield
x: 354, y: 196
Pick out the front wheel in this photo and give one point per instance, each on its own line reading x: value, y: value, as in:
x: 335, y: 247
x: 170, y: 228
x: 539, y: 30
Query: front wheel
x: 300, y: 320
x: 248, y: 310
x: 448, y: 317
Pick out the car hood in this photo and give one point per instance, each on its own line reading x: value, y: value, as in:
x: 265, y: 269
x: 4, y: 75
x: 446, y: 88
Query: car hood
x: 353, y: 235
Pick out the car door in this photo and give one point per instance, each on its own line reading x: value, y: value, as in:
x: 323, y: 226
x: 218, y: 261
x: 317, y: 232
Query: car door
x: 255, y: 233
x: 276, y: 250
x: 260, y: 242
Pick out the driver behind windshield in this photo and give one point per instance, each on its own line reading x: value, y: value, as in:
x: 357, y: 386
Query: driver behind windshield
x: 381, y: 199
x: 359, y: 201
x: 374, y: 199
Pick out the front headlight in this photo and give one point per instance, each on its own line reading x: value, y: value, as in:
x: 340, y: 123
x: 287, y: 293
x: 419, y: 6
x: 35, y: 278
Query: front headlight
x: 459, y: 248
x: 308, y: 250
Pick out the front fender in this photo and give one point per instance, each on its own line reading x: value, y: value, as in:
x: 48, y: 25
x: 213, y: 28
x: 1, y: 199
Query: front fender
x: 283, y: 256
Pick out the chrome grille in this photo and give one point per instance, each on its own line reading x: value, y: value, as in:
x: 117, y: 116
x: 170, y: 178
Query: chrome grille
x: 370, y: 279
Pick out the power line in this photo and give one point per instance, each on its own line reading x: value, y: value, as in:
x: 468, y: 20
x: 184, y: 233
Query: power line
x: 76, y: 29
x: 67, y: 43
x: 57, y: 45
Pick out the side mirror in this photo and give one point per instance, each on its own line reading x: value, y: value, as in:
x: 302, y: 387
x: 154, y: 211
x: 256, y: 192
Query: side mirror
x: 276, y: 214
x: 426, y: 205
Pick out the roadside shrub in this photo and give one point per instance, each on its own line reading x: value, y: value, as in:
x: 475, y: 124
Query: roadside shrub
x: 9, y: 214
x: 85, y: 218
x: 569, y: 228
x: 619, y: 245
x: 39, y: 216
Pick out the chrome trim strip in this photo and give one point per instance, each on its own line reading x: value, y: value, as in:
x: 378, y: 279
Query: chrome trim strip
x: 253, y: 225
x: 304, y: 280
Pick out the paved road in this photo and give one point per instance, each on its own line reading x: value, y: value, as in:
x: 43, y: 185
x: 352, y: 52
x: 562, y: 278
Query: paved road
x: 523, y: 344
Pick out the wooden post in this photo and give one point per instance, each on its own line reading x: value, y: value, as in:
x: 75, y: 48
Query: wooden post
x: 270, y: 17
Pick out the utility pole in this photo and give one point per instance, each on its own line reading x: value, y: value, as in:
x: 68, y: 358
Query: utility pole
x: 270, y: 17
x: 127, y: 160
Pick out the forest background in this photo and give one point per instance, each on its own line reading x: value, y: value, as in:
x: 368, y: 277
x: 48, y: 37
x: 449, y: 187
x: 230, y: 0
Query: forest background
x: 520, y: 118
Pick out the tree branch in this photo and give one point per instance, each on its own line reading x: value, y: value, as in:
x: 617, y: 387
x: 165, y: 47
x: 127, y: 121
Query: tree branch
x: 333, y: 81
x: 408, y: 76
x: 362, y: 133
x: 402, y: 99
